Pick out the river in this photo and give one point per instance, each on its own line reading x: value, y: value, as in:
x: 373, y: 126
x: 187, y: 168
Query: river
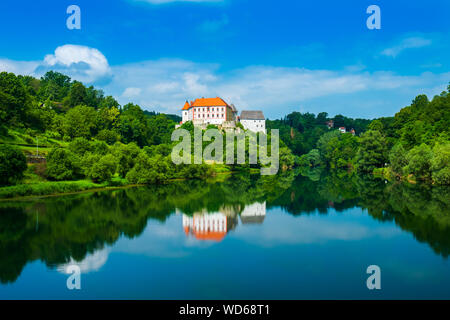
x: 235, y: 237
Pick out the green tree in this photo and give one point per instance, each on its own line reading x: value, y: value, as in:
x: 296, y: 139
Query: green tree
x: 440, y: 164
x: 79, y: 122
x: 12, y: 164
x: 77, y: 95
x: 62, y: 164
x: 419, y: 162
x: 372, y: 152
x: 397, y: 158
x: 79, y: 146
x: 126, y: 155
x: 103, y: 169
x: 13, y: 99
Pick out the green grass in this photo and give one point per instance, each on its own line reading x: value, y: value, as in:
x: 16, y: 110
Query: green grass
x: 56, y: 187
x: 28, y: 142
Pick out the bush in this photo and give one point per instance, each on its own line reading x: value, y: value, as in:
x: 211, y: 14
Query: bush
x: 99, y: 147
x: 419, y: 162
x: 397, y: 158
x: 12, y: 164
x: 62, y: 164
x: 109, y: 136
x: 103, y: 169
x: 80, y: 146
x: 149, y: 170
x: 126, y: 155
x: 440, y: 164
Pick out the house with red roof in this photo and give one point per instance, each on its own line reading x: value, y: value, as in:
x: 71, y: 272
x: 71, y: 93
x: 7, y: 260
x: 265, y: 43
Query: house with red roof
x: 205, y: 111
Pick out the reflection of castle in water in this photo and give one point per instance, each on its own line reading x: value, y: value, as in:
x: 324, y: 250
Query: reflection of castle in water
x: 215, y: 225
x: 254, y: 213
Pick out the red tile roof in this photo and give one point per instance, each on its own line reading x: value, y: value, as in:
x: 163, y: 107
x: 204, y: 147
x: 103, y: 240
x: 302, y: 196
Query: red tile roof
x: 209, y: 102
x: 186, y: 106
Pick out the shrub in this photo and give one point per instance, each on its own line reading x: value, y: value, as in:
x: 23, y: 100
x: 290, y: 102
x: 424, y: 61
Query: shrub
x: 103, y: 170
x: 397, y: 158
x: 62, y: 164
x: 149, y: 170
x: 12, y: 164
x: 440, y: 164
x: 79, y: 146
x: 419, y: 163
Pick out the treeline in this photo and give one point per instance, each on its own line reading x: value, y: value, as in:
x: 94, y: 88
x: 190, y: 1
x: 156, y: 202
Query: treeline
x: 89, y: 135
x: 57, y: 107
x: 413, y: 145
x: 301, y: 131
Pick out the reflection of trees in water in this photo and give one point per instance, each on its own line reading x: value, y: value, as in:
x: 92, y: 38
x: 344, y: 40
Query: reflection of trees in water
x: 420, y: 209
x: 56, y: 229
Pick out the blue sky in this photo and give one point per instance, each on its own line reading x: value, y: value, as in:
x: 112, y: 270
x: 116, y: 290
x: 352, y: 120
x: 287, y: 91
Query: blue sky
x: 278, y: 56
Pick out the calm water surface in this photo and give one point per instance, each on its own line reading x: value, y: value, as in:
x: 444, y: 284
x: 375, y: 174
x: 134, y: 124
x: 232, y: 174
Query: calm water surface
x: 244, y: 237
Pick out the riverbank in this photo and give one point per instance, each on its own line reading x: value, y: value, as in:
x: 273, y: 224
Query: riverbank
x: 51, y: 188
x: 59, y: 188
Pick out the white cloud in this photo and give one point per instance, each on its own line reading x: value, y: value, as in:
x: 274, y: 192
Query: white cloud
x: 84, y: 63
x: 131, y: 92
x: 18, y: 67
x: 92, y: 262
x: 163, y: 85
x: 79, y: 62
x: 408, y: 43
x: 167, y: 83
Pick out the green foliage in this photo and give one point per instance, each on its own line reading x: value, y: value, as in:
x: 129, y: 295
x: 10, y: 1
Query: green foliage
x: 148, y: 170
x: 125, y: 155
x: 397, y: 158
x: 312, y: 158
x: 12, y: 164
x: 337, y: 149
x: 102, y: 169
x: 440, y: 163
x: 79, y: 122
x: 62, y: 164
x: 419, y: 162
x: 13, y: 100
x: 372, y: 151
x: 46, y: 188
x: 79, y: 146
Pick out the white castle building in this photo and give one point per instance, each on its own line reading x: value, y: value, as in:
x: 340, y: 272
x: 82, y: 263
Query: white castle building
x: 208, y: 111
x: 216, y: 111
x: 253, y: 121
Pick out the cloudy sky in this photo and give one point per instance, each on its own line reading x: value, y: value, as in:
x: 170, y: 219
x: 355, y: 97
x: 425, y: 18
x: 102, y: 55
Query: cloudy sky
x: 277, y: 56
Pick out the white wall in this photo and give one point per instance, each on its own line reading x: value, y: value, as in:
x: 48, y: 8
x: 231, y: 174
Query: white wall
x: 254, y: 125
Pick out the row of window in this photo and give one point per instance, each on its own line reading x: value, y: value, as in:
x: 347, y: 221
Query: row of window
x: 212, y: 116
x: 207, y: 109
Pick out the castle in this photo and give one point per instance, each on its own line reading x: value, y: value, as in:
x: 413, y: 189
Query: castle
x: 216, y: 111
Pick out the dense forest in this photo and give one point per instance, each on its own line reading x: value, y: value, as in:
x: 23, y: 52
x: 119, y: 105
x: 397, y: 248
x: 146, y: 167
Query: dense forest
x: 88, y: 137
x: 413, y: 145
x: 85, y: 136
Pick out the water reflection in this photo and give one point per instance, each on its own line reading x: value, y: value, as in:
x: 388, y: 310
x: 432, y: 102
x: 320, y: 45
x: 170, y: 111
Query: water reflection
x: 81, y: 228
x: 214, y: 226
